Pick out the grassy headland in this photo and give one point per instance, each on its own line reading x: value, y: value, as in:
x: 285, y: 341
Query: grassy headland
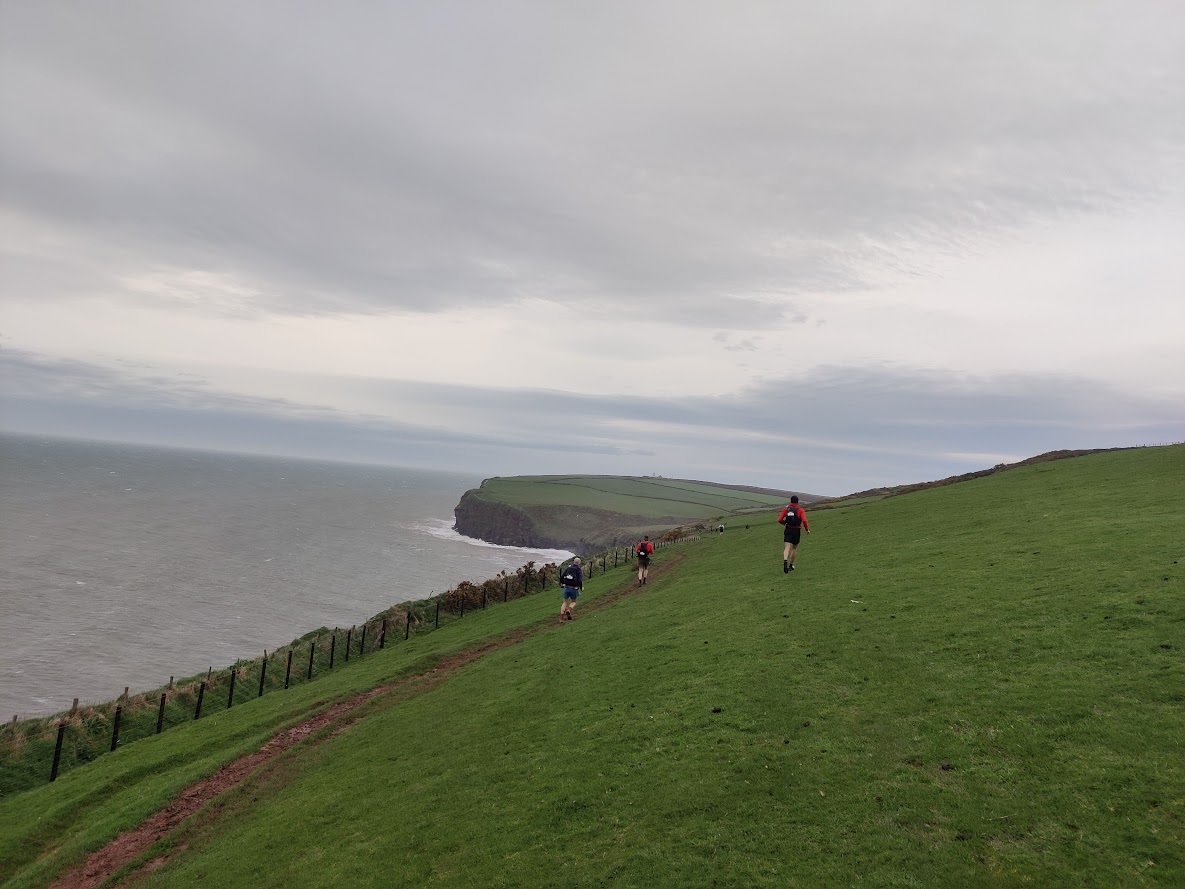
x: 584, y: 513
x: 981, y: 684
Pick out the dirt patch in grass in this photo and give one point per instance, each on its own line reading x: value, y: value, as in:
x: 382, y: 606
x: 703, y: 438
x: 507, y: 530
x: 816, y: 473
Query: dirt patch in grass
x: 126, y: 848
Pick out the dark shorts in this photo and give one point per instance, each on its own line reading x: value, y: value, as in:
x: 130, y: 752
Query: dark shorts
x: 792, y: 535
x: 643, y: 561
x: 570, y: 592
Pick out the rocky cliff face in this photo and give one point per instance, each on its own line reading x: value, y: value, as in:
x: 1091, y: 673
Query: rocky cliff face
x: 499, y: 523
x: 578, y: 529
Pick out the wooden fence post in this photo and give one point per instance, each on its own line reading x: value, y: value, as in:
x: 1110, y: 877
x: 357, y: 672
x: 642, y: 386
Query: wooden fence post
x: 197, y: 713
x: 262, y: 674
x: 230, y: 698
x: 312, y: 651
x: 288, y: 672
x: 115, y: 727
x: 160, y: 714
x: 57, y: 753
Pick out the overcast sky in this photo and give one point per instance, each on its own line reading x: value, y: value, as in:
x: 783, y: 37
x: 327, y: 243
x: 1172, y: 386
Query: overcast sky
x: 818, y: 246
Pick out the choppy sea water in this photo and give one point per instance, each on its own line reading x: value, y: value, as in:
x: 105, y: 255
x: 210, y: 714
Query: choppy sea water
x: 123, y: 565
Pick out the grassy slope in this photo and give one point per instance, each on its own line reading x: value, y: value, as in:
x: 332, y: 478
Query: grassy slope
x: 629, y: 496
x: 979, y: 684
x: 43, y: 829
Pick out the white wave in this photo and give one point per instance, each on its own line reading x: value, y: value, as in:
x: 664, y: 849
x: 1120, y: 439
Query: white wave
x: 442, y: 529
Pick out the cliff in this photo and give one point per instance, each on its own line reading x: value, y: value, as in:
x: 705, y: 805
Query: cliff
x: 502, y: 523
x: 583, y: 513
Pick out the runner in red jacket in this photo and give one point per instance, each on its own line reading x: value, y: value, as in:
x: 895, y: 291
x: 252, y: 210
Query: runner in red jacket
x: 793, y: 517
x: 644, y: 551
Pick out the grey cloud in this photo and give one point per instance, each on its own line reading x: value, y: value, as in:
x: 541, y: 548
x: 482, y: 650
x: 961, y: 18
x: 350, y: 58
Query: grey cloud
x: 370, y: 156
x: 835, y: 431
x: 80, y: 399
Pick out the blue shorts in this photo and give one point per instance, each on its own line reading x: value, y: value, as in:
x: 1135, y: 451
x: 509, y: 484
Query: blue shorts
x: 570, y: 592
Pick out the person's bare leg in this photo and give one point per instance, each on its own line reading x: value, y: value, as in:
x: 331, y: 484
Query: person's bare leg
x: 793, y: 553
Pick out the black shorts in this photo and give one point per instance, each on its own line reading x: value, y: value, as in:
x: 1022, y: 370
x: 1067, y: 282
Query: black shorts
x: 792, y: 535
x: 643, y: 561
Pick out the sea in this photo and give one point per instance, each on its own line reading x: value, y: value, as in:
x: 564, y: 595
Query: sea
x: 123, y: 565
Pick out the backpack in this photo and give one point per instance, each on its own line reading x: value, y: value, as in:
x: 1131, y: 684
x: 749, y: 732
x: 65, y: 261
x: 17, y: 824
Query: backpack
x: 568, y: 578
x: 793, y: 516
x: 643, y: 552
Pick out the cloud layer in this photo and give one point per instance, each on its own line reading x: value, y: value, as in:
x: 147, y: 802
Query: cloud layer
x: 897, y: 239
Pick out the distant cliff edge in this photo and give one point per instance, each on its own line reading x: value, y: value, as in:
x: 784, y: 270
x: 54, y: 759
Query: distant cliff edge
x: 496, y: 522
x: 587, y: 513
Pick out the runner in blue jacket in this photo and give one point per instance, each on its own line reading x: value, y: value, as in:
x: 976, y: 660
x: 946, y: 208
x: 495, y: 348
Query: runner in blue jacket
x: 572, y: 581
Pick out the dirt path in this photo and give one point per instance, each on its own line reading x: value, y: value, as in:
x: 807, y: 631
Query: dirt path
x: 128, y: 847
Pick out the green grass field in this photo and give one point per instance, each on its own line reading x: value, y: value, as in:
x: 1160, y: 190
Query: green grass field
x: 628, y: 496
x: 976, y: 685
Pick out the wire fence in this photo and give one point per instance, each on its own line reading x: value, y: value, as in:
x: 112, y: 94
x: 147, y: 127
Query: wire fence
x: 34, y: 750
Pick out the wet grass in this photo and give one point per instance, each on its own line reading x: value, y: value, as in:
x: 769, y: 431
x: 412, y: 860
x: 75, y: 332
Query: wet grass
x: 980, y: 685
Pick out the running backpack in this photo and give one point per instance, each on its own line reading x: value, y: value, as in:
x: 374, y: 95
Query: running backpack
x: 643, y: 552
x: 568, y: 578
x: 793, y: 517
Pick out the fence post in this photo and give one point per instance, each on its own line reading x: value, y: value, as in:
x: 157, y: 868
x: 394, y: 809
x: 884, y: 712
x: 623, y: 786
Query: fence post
x: 288, y: 672
x: 230, y: 698
x: 197, y: 713
x: 462, y: 605
x: 262, y: 674
x: 312, y: 651
x: 332, y: 647
x: 57, y: 753
x: 115, y: 728
x: 362, y: 642
x: 438, y: 614
x: 160, y: 714
x: 483, y: 598
x: 406, y: 625
x: 383, y: 634
x: 349, y: 639
x: 506, y: 589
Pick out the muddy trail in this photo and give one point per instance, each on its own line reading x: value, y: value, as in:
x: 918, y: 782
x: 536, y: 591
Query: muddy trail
x: 204, y: 797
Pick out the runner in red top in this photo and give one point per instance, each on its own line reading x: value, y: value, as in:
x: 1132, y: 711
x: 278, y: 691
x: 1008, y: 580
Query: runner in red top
x: 644, y: 551
x: 793, y: 517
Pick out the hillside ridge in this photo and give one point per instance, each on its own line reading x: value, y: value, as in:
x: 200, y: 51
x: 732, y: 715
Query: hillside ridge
x: 895, y: 490
x: 584, y: 513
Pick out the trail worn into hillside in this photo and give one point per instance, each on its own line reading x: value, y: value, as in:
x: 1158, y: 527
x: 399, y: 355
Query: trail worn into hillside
x: 129, y: 847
